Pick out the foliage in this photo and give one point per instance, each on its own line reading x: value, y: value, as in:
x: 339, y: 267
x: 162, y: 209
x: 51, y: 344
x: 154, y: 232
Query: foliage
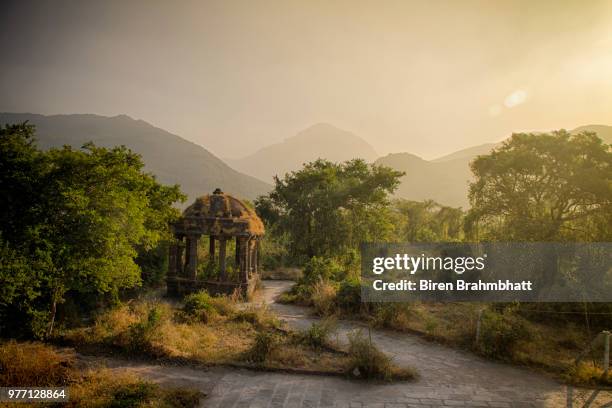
x: 500, y: 334
x: 199, y: 305
x: 348, y: 297
x: 317, y: 335
x: 72, y: 221
x: 367, y: 361
x: 141, y: 333
x: 265, y: 343
x: 543, y: 187
x: 427, y: 221
x: 326, y: 208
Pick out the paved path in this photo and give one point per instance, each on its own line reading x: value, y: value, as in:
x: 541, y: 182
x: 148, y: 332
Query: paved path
x: 448, y: 377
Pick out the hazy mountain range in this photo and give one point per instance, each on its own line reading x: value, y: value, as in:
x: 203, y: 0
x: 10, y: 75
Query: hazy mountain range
x: 446, y: 179
x: 318, y: 141
x: 171, y: 158
x: 176, y: 160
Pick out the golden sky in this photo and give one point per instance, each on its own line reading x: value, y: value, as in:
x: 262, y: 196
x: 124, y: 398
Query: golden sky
x: 424, y: 77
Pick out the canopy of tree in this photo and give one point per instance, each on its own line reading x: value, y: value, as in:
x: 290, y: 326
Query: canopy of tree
x: 543, y: 187
x: 326, y: 208
x: 72, y: 221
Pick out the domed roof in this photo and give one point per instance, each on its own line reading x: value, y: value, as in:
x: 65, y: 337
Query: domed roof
x: 220, y: 205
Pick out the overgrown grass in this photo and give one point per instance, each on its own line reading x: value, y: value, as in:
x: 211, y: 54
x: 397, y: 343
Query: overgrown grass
x: 368, y: 362
x: 229, y: 334
x: 509, y: 332
x: 318, y: 334
x: 41, y: 365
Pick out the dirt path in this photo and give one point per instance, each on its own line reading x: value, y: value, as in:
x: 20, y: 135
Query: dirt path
x: 448, y: 377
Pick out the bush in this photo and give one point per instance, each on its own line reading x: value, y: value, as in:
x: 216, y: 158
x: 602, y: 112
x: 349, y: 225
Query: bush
x: 141, y: 333
x: 324, y: 297
x: 319, y: 268
x: 366, y: 361
x: 258, y: 316
x: 199, y: 305
x: 587, y: 373
x: 348, y: 297
x: 265, y: 342
x: 33, y: 365
x: 317, y: 336
x: 393, y: 315
x: 500, y: 333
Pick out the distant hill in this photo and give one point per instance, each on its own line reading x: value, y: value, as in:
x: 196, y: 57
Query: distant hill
x: 319, y: 141
x: 171, y: 158
x: 603, y: 131
x: 446, y: 179
x: 445, y: 182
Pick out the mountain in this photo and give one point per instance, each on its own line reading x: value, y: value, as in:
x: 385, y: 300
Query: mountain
x: 603, y: 131
x: 445, y: 182
x: 468, y: 154
x: 446, y: 179
x: 171, y: 158
x: 319, y: 141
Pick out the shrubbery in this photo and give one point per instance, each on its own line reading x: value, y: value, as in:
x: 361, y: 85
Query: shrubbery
x: 368, y: 362
x: 500, y: 333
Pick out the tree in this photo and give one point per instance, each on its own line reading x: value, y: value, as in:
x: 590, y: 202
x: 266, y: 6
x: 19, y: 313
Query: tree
x: 328, y: 208
x: 543, y: 187
x: 428, y: 221
x: 79, y: 218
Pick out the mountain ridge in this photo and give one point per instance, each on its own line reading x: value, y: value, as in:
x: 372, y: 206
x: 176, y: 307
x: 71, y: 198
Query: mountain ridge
x: 320, y: 140
x: 173, y: 159
x: 446, y: 179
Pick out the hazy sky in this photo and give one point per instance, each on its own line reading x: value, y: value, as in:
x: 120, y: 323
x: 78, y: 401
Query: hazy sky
x: 424, y: 77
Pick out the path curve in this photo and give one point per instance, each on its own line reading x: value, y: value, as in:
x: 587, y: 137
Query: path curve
x: 448, y: 377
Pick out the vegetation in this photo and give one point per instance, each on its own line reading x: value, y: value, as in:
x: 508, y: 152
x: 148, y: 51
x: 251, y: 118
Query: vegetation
x: 72, y: 223
x: 326, y: 208
x: 367, y: 362
x: 40, y: 365
x: 545, y: 187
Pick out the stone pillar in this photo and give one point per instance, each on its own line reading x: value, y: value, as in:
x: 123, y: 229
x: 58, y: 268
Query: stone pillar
x: 256, y: 256
x: 244, y: 272
x: 192, y: 257
x: 237, y: 260
x: 222, y: 249
x: 180, y: 248
x: 252, y: 265
x: 172, y: 264
x: 211, y: 248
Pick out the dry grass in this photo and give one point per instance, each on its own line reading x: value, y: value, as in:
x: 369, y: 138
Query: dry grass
x: 41, y: 365
x: 324, y: 297
x: 231, y: 335
x: 367, y: 362
x: 106, y: 388
x: 550, y: 348
x: 33, y: 365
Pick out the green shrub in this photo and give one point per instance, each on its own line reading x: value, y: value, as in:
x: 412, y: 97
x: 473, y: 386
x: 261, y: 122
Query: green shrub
x: 141, y: 333
x: 500, y: 333
x: 348, y: 297
x: 265, y: 342
x: 199, y: 305
x: 317, y: 336
x: 319, y: 268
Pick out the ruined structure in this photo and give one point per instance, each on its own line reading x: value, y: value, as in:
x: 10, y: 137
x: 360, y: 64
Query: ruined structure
x: 215, y: 221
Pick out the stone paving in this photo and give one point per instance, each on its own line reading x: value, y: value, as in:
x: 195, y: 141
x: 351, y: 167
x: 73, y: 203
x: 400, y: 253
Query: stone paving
x: 448, y: 378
